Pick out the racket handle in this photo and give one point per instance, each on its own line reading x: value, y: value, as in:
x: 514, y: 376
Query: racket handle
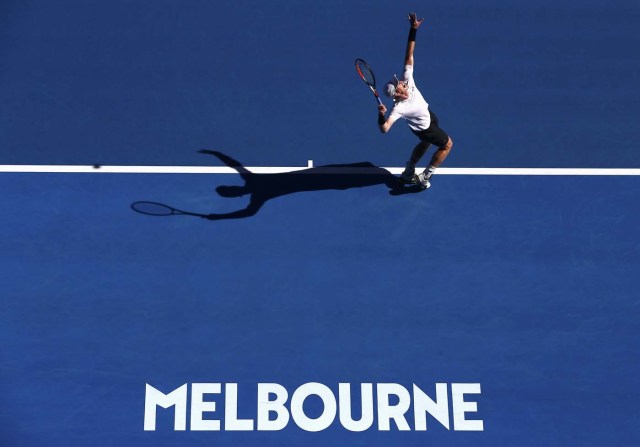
x: 379, y: 101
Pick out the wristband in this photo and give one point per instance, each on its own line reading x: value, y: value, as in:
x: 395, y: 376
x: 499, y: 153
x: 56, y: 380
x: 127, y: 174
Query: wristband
x: 412, y: 34
x: 381, y: 119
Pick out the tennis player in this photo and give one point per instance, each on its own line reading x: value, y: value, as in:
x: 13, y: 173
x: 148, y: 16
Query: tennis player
x: 408, y: 103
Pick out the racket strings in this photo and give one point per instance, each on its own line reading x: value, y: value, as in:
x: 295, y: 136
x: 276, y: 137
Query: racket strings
x: 153, y: 208
x: 366, y: 73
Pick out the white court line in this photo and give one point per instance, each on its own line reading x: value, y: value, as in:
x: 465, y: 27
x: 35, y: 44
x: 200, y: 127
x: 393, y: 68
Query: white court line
x: 281, y: 169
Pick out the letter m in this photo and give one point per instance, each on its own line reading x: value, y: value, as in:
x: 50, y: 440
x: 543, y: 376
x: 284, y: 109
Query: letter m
x: 154, y: 398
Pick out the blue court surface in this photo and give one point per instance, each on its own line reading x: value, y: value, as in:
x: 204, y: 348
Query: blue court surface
x: 327, y: 306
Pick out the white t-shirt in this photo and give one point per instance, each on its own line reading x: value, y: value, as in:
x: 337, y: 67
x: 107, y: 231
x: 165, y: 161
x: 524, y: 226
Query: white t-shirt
x: 414, y: 109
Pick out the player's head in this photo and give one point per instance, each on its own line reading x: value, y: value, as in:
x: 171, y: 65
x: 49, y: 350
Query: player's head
x: 396, y: 89
x: 231, y: 191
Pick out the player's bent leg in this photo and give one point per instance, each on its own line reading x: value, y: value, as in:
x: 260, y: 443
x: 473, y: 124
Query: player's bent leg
x: 419, y: 151
x: 438, y: 157
x: 441, y: 154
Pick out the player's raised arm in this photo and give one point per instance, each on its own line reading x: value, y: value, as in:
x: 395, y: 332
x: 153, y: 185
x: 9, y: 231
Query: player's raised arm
x: 411, y: 44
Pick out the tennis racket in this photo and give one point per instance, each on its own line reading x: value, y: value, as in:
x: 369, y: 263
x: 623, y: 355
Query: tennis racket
x: 160, y: 209
x: 367, y: 76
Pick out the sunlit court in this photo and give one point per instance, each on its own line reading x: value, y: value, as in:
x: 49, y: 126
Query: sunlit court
x: 207, y: 239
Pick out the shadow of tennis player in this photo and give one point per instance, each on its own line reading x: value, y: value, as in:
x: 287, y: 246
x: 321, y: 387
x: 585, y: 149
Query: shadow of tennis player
x: 264, y: 187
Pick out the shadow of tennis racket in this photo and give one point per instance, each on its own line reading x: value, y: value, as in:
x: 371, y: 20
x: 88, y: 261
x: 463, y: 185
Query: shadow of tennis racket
x: 160, y: 209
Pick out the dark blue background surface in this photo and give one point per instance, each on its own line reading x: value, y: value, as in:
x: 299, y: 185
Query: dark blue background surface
x: 535, y: 84
x: 527, y: 285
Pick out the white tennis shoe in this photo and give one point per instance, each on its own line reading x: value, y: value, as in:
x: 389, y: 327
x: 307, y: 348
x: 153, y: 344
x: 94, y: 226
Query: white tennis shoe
x: 423, y: 181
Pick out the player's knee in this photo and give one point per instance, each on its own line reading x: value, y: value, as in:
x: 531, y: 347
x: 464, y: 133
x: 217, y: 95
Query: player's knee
x: 448, y: 145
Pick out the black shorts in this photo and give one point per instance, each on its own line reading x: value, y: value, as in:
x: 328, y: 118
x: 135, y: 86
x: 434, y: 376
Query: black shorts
x: 433, y: 134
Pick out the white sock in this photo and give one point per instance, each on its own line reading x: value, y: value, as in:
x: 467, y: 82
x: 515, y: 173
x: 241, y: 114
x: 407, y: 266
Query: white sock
x: 429, y: 171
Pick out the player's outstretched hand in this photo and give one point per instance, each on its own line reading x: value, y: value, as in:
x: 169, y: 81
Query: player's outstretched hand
x: 382, y: 109
x: 413, y: 20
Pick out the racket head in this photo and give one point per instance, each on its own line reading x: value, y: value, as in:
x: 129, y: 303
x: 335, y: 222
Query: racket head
x: 154, y: 209
x: 365, y: 72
